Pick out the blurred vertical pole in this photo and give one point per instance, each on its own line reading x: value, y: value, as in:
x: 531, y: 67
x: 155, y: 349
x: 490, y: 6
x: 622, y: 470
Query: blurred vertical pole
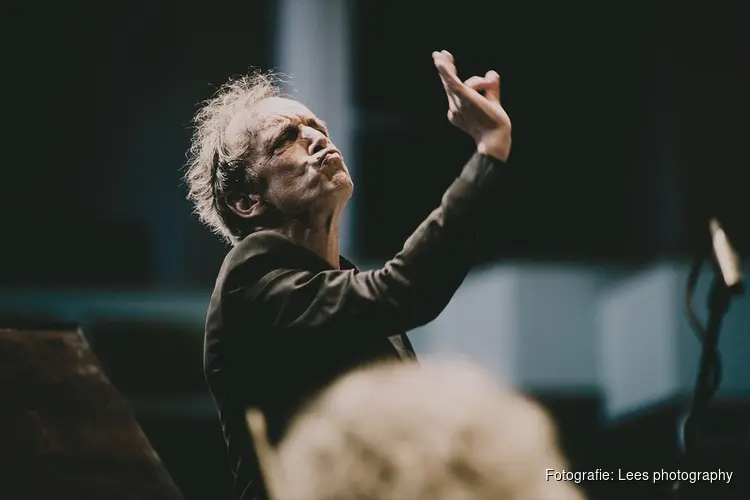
x: 313, y: 49
x: 640, y: 329
x: 655, y: 192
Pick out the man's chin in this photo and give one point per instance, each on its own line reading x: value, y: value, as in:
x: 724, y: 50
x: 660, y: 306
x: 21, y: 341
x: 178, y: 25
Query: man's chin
x: 343, y: 182
x: 340, y: 188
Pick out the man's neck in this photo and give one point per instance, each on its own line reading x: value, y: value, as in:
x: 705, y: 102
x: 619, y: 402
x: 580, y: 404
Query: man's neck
x: 322, y: 238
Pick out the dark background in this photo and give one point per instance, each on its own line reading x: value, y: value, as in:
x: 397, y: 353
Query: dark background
x: 630, y: 127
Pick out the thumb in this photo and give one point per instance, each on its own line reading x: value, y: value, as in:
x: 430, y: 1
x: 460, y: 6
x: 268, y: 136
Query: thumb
x: 492, y: 88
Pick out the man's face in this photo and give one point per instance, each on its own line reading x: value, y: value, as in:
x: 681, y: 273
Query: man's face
x: 301, y: 169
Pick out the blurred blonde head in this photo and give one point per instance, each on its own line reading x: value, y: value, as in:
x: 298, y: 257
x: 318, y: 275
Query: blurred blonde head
x: 440, y: 431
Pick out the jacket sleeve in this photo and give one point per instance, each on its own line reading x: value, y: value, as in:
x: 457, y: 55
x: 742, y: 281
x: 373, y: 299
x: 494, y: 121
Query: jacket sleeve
x: 410, y: 290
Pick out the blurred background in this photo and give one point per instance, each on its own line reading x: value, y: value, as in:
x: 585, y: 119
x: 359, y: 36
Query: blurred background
x: 630, y: 131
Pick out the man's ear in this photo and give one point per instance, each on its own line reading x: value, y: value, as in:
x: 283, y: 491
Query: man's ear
x: 246, y: 206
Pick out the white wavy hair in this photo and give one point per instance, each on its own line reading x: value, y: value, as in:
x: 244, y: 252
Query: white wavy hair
x: 211, y: 167
x: 440, y: 431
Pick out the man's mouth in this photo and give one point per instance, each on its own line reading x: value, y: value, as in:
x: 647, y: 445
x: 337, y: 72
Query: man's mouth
x: 330, y: 155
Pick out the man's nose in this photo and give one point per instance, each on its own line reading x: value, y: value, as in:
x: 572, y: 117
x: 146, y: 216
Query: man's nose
x: 318, y: 140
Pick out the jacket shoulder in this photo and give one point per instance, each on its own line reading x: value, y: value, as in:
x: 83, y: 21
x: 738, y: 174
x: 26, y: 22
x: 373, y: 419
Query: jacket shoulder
x: 254, y: 257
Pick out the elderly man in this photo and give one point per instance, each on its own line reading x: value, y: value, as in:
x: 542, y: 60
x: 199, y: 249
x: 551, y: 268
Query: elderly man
x: 288, y: 314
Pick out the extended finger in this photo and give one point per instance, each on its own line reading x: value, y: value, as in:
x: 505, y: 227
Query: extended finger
x: 453, y: 100
x: 444, y: 64
x: 445, y: 70
x: 448, y: 74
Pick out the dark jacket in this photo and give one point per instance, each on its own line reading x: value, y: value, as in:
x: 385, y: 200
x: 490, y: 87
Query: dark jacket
x: 282, y: 324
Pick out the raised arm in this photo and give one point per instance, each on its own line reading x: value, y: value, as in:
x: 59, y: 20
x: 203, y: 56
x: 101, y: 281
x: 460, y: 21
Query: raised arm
x: 416, y: 285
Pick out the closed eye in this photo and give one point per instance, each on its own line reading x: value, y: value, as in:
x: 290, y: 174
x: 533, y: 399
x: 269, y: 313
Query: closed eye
x: 289, y: 134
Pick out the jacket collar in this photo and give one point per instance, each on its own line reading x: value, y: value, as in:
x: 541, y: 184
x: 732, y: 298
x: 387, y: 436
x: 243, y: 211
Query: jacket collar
x: 273, y: 243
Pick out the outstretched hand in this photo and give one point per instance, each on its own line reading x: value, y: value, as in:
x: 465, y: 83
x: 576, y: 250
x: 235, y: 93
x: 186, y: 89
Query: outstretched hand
x: 474, y: 107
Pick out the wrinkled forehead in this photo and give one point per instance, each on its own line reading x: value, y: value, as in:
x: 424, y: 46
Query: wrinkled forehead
x: 270, y: 112
x: 263, y: 119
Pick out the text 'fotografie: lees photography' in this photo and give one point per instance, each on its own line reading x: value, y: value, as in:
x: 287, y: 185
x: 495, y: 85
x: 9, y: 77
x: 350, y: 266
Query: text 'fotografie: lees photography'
x: 653, y: 476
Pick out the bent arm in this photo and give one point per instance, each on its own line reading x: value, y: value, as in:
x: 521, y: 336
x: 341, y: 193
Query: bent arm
x: 409, y: 291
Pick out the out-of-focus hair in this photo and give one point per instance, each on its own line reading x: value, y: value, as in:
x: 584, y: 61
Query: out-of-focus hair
x: 440, y: 431
x: 214, y: 169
